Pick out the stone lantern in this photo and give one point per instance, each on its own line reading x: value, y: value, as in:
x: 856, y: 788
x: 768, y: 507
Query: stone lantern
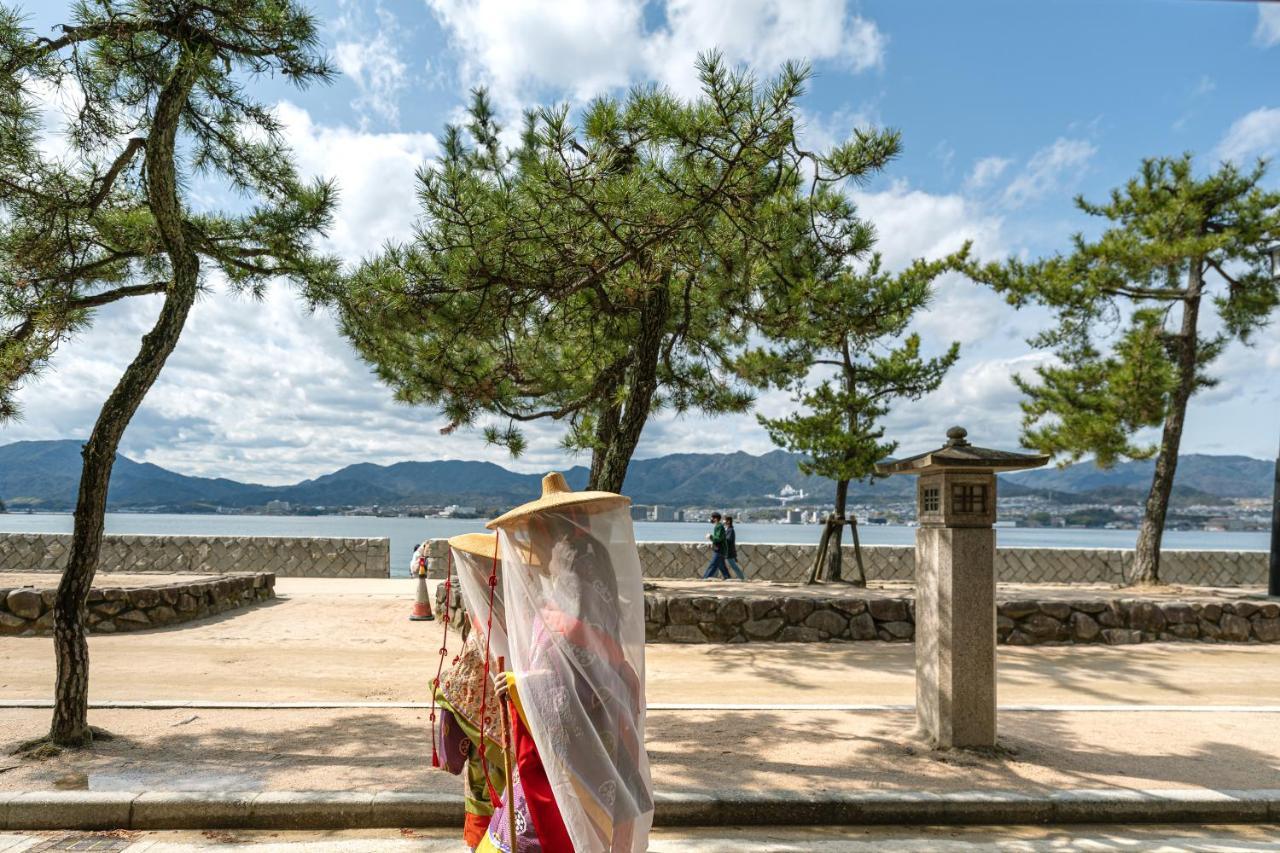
x: 955, y: 587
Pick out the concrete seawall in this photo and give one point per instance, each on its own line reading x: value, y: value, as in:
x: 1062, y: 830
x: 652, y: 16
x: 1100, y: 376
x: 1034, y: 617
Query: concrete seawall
x: 677, y: 560
x: 371, y: 558
x: 284, y: 556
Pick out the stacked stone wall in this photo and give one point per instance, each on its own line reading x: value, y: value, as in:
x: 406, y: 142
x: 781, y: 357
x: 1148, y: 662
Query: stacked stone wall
x: 284, y: 556
x: 744, y: 618
x: 28, y: 611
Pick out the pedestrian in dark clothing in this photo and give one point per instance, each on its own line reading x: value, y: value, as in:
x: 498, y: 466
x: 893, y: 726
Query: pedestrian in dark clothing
x: 717, y: 537
x: 731, y: 547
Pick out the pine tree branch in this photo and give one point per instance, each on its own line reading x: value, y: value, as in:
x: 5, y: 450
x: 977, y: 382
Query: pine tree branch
x: 71, y: 35
x: 1231, y: 281
x: 107, y: 297
x: 109, y: 179
x: 1146, y: 292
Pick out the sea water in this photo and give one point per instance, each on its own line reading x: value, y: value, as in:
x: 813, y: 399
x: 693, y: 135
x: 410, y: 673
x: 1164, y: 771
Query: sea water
x: 406, y: 533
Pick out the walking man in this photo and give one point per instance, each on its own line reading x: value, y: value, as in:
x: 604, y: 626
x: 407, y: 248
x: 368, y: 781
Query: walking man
x: 717, y: 537
x: 731, y: 547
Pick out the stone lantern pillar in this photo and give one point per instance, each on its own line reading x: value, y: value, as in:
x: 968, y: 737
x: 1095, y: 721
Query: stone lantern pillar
x: 955, y: 587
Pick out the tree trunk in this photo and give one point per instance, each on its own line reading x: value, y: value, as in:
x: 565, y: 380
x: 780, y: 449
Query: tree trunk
x: 820, y: 558
x: 835, y: 562
x: 606, y: 429
x: 1146, y: 557
x: 609, y: 461
x: 861, y: 579
x: 70, y: 726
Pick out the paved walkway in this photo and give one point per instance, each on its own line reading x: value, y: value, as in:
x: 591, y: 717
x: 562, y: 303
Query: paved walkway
x: 1095, y: 839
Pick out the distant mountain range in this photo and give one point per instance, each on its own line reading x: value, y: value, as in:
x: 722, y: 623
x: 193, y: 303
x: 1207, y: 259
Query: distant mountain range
x: 45, y: 475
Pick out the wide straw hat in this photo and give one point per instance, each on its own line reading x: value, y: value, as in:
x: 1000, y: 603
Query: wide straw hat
x: 477, y: 544
x: 556, y: 494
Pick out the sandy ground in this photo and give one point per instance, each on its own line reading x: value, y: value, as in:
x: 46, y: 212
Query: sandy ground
x: 345, y: 641
x: 327, y: 640
x: 389, y: 749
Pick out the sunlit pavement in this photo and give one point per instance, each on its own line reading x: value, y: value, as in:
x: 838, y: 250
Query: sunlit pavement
x: 1219, y: 839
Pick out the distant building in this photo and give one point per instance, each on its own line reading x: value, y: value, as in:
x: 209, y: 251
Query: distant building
x: 662, y: 513
x: 639, y: 512
x: 278, y: 507
x: 455, y: 511
x: 794, y: 516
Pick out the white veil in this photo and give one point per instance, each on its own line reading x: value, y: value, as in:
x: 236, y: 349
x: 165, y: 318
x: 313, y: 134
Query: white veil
x: 575, y: 619
x: 473, y: 577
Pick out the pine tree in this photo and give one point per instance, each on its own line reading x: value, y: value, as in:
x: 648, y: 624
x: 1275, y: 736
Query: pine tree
x: 849, y: 331
x: 1130, y: 342
x: 600, y: 271
x: 161, y: 98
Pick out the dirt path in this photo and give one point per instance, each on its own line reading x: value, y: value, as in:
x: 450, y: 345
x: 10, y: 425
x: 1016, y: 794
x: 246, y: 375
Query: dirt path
x: 389, y: 749
x: 352, y: 641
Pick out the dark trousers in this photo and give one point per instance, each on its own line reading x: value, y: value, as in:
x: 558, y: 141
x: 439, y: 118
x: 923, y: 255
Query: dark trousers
x: 716, y: 565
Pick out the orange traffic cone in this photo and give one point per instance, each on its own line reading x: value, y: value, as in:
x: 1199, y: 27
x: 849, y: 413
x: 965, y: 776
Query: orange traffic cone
x: 422, y: 607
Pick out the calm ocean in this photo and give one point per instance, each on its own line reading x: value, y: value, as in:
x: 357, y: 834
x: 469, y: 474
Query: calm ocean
x: 406, y: 533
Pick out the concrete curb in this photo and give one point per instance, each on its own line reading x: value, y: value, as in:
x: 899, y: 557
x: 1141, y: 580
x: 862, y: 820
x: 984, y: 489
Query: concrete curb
x: 89, y: 810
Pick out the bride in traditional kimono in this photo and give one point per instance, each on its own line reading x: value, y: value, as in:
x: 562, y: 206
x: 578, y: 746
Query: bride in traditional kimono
x: 575, y: 630
x: 461, y: 692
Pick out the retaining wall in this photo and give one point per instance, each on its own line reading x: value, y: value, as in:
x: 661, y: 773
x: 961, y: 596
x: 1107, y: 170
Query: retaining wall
x: 811, y: 618
x: 281, y: 555
x: 26, y: 611
x: 682, y: 560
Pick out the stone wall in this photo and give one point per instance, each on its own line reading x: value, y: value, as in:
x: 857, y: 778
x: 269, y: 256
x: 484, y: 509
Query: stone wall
x: 281, y: 555
x: 683, y: 560
x: 675, y: 617
x: 27, y: 611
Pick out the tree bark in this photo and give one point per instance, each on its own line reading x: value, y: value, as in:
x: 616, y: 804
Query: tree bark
x: 835, y: 563
x: 861, y: 579
x: 1146, y: 557
x: 609, y: 461
x: 70, y: 726
x: 820, y: 558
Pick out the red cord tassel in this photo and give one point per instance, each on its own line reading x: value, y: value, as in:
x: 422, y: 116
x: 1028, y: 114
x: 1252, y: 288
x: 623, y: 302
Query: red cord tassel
x: 444, y: 652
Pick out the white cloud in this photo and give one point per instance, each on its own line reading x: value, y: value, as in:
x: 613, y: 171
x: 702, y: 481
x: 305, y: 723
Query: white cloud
x: 1255, y: 135
x: 372, y: 62
x: 979, y: 395
x: 1049, y: 170
x: 911, y: 223
x: 579, y: 48
x: 1267, y: 32
x: 987, y: 171
x: 375, y: 175
x: 762, y: 33
x: 575, y: 46
x: 287, y: 400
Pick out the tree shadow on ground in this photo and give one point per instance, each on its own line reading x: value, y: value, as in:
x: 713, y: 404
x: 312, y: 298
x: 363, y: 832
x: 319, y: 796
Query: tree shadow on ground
x: 388, y: 750
x: 1042, y: 751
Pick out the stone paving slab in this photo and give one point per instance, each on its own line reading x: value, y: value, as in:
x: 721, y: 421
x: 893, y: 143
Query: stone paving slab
x: 294, y: 810
x: 1097, y: 838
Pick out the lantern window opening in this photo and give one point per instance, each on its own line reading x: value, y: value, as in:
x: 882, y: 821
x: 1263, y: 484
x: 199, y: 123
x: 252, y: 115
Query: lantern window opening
x: 968, y: 497
x: 931, y: 499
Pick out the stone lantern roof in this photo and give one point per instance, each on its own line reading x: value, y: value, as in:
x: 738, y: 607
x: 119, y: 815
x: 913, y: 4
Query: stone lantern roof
x: 959, y: 455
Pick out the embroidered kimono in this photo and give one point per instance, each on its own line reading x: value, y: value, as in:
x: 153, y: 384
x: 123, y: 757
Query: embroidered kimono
x: 465, y: 695
x: 575, y: 628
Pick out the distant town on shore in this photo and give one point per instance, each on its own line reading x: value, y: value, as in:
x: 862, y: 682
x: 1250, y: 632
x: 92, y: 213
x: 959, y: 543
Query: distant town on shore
x: 1212, y: 492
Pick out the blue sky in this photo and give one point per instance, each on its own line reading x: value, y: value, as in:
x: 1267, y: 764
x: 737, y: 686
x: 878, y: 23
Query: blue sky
x: 1008, y: 109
